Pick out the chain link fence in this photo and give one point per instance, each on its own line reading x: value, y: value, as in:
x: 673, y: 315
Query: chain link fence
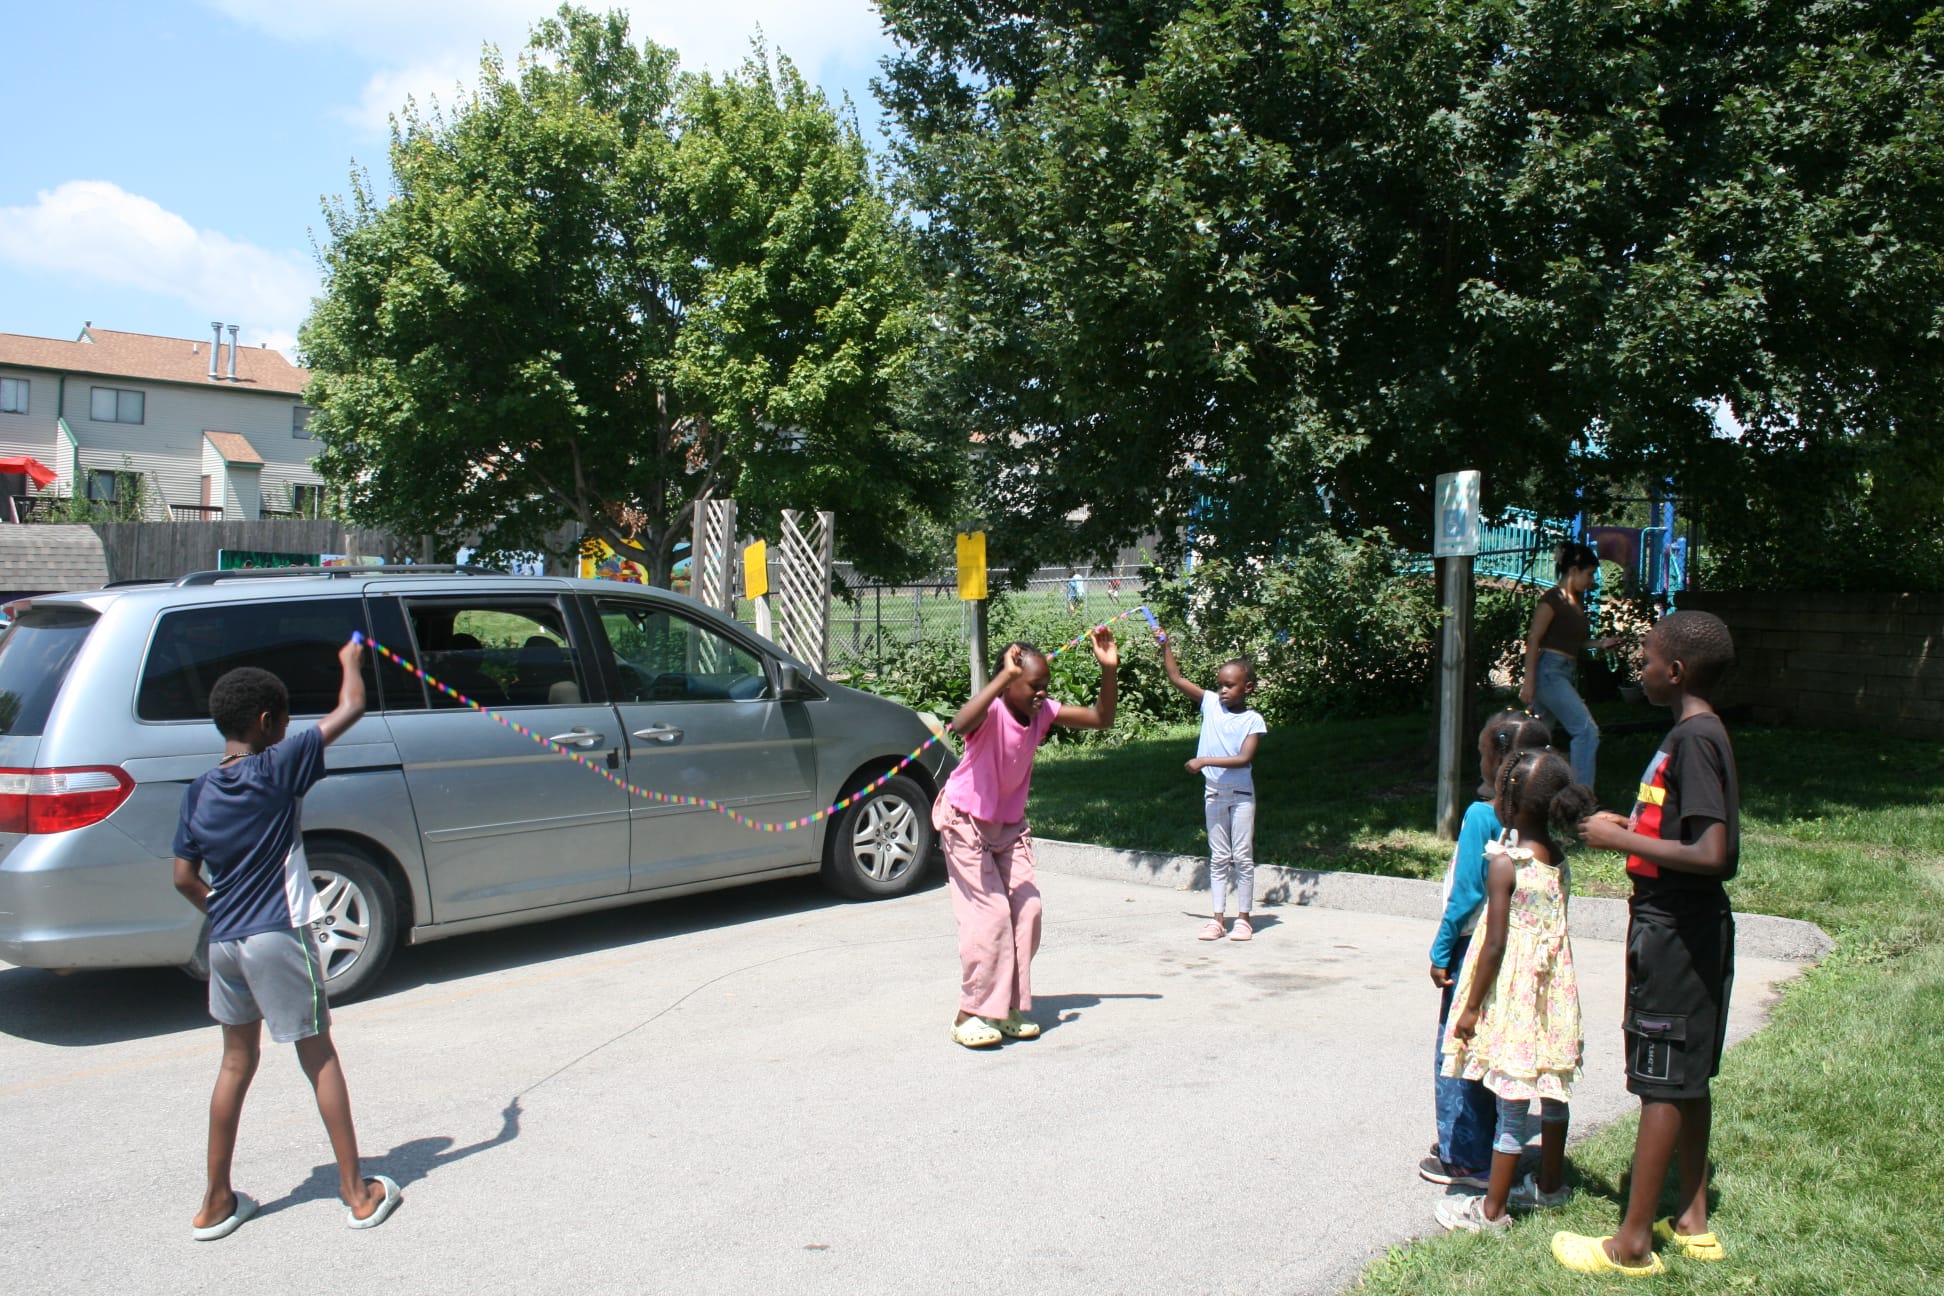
x: 870, y: 623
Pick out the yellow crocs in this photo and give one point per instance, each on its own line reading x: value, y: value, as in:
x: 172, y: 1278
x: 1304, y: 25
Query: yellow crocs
x: 1695, y: 1246
x: 1588, y: 1255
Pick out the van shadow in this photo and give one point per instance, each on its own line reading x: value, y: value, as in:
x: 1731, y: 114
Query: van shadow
x: 459, y: 957
x: 1055, y: 1011
x: 100, y: 1006
x: 407, y: 1163
x: 119, y: 1005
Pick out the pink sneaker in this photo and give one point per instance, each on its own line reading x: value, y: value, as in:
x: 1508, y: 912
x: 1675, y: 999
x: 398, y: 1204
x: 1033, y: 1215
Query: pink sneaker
x: 1214, y: 930
x: 1241, y: 931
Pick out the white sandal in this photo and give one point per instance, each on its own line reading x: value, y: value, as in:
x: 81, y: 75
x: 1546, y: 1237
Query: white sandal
x: 975, y: 1032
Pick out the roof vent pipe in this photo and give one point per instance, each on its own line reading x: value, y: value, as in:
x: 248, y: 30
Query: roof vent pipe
x: 215, y: 348
x: 232, y: 368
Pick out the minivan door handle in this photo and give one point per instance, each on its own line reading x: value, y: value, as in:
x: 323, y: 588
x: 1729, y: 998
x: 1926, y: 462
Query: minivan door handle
x: 579, y: 737
x: 661, y: 733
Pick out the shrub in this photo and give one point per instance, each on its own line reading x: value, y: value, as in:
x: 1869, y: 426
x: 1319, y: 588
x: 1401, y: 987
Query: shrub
x: 1337, y: 630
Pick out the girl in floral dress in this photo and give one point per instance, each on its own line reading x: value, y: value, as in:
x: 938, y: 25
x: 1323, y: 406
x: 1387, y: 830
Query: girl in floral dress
x: 1519, y: 1030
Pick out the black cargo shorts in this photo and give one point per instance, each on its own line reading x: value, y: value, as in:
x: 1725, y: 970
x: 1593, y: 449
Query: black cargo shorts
x: 1680, y: 969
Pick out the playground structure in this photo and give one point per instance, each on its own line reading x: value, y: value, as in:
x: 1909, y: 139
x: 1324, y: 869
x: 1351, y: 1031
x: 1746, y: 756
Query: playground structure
x: 1655, y: 559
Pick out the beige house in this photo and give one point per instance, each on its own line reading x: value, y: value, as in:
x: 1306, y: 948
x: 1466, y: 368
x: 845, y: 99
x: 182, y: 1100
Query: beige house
x: 212, y: 430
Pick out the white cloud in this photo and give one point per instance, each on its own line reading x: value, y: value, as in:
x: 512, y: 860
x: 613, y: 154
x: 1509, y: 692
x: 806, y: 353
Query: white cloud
x: 825, y: 38
x: 96, y: 229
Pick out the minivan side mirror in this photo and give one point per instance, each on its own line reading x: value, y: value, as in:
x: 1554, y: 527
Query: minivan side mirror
x: 788, y: 683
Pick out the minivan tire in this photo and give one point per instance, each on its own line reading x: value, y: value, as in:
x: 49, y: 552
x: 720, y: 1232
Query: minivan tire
x: 359, y: 928
x: 879, y: 847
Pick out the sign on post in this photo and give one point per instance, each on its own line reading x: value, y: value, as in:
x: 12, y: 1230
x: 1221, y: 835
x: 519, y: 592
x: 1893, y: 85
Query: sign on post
x: 756, y: 570
x: 1457, y: 530
x: 971, y: 566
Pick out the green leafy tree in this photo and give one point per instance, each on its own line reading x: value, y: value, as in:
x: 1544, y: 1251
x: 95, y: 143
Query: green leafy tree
x: 1251, y: 268
x: 600, y: 288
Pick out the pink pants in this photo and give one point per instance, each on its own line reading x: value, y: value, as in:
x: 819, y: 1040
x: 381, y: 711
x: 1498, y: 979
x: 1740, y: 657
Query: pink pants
x: 997, y: 906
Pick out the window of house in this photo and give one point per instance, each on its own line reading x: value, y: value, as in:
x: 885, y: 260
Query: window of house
x: 101, y: 485
x: 306, y: 501
x: 113, y: 405
x: 13, y: 395
x: 300, y: 417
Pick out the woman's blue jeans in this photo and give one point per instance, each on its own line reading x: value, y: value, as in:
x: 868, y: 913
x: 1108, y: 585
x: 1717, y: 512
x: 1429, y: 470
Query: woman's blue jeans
x: 1555, y: 696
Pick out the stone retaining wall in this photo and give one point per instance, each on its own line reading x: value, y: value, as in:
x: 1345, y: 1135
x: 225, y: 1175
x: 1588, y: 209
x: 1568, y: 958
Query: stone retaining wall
x: 1835, y: 661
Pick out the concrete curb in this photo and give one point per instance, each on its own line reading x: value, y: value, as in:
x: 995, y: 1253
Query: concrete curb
x: 1594, y: 917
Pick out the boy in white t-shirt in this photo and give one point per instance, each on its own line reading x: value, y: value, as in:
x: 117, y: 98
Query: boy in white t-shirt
x: 1230, y: 731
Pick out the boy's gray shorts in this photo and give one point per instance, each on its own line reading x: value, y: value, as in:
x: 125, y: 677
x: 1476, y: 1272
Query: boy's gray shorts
x: 275, y: 977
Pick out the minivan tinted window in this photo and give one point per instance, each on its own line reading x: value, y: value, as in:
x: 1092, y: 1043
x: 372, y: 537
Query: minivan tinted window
x: 297, y: 640
x: 34, y: 660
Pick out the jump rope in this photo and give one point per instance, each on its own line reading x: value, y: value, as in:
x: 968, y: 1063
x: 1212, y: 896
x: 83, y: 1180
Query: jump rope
x: 705, y: 803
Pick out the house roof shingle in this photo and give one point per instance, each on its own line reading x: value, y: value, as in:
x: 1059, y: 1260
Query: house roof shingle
x: 143, y: 356
x: 59, y: 557
x: 235, y: 448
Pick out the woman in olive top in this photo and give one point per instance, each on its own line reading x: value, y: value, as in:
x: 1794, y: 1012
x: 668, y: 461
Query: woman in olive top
x: 1552, y: 651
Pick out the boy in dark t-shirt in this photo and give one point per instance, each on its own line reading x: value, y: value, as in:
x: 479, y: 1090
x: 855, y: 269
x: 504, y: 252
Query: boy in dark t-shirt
x: 1683, y: 843
x: 242, y: 820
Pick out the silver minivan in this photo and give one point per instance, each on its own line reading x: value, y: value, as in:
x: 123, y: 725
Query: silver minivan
x: 435, y: 820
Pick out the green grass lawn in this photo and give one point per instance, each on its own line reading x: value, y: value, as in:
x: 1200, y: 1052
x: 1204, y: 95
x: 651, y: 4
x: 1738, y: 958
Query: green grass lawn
x: 1829, y: 1125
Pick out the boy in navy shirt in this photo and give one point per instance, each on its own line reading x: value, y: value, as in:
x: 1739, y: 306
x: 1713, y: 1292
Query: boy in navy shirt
x: 241, y: 819
x: 1683, y: 844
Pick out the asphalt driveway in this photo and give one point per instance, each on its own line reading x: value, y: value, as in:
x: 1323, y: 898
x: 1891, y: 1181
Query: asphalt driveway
x: 755, y: 1092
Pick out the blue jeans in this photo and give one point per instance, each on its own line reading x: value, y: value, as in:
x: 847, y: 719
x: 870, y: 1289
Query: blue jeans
x: 1467, y: 1112
x: 1512, y: 1115
x: 1555, y: 696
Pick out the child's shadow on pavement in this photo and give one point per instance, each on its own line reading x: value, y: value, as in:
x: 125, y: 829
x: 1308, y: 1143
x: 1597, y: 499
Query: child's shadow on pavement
x: 1055, y: 1011
x: 407, y: 1163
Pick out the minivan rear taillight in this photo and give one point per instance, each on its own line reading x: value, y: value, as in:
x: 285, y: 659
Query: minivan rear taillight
x: 57, y: 800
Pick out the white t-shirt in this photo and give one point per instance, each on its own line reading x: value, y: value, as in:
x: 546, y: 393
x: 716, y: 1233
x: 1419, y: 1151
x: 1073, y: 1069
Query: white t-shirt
x: 1222, y: 733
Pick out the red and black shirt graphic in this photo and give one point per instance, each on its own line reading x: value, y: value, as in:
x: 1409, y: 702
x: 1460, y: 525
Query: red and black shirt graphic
x: 1689, y: 784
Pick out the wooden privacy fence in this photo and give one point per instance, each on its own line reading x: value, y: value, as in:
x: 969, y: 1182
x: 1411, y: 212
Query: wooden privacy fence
x: 165, y: 550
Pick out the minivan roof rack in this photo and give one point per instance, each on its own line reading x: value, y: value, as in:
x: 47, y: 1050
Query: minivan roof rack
x: 346, y: 570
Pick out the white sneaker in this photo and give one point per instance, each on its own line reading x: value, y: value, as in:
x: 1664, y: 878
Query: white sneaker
x: 1525, y: 1195
x: 1468, y: 1213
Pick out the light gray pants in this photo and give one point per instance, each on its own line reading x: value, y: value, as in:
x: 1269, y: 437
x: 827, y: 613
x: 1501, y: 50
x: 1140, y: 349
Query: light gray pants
x: 1230, y: 815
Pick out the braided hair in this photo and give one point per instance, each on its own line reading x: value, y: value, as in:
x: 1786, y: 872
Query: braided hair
x: 1538, y: 782
x: 1509, y: 732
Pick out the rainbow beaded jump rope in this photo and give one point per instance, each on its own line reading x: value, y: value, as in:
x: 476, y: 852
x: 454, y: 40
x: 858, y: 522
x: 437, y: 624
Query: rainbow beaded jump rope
x: 705, y: 803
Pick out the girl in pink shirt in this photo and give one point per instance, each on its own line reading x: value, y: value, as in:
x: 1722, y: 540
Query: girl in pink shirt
x: 981, y: 823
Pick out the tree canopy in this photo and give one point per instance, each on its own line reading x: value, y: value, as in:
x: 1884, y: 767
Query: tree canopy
x: 1253, y: 268
x: 599, y: 288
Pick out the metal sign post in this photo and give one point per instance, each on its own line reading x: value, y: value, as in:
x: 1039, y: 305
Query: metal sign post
x: 1455, y: 539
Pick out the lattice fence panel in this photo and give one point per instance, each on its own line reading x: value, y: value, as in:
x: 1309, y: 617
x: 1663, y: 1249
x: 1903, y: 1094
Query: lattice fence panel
x: 803, y: 587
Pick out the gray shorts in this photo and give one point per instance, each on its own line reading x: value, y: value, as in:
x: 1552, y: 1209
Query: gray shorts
x: 274, y: 977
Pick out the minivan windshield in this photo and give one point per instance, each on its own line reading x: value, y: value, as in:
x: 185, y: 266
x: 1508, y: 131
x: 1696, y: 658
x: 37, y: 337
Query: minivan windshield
x: 34, y: 658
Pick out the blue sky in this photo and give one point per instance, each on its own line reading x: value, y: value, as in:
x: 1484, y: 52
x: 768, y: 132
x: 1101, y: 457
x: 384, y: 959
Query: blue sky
x: 165, y: 162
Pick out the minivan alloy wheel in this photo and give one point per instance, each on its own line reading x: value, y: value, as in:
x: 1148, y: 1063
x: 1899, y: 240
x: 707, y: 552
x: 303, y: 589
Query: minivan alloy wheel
x: 346, y: 925
x: 359, y: 923
x: 884, y: 840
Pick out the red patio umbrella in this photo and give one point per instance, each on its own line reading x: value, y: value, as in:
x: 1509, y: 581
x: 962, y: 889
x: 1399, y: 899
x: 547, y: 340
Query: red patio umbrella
x: 39, y: 472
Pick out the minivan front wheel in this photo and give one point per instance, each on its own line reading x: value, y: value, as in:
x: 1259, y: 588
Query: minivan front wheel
x: 359, y: 923
x: 878, y: 847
